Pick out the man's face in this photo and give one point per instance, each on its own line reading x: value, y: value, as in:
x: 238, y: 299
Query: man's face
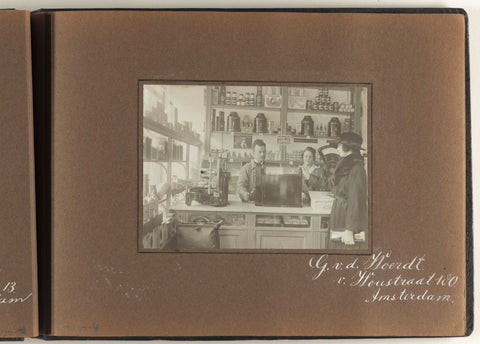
x: 259, y: 153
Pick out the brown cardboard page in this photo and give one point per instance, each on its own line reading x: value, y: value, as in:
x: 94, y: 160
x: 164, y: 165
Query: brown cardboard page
x: 18, y: 264
x: 102, y: 285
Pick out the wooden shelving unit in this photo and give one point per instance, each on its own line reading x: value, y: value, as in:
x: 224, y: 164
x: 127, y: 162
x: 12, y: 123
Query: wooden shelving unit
x: 172, y: 136
x: 285, y: 116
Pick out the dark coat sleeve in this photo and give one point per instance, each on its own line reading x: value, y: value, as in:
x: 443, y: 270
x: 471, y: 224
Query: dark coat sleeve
x: 356, y: 217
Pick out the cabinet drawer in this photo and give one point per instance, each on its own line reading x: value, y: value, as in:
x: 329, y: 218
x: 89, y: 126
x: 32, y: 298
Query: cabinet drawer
x: 233, y: 238
x: 282, y: 240
x: 237, y: 220
x: 286, y: 221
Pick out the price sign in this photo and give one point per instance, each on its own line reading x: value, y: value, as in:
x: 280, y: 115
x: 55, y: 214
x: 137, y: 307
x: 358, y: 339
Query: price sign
x: 284, y: 139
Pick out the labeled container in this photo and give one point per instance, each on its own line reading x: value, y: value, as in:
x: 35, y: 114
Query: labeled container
x: 307, y: 126
x: 233, y: 122
x: 334, y: 127
x: 260, y: 123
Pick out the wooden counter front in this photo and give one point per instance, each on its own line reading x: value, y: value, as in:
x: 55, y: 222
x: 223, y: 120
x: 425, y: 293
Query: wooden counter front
x: 247, y: 226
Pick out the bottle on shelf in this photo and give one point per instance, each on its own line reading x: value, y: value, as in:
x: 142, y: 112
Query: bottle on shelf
x: 144, y: 147
x: 271, y: 127
x: 220, y: 122
x: 214, y: 120
x: 348, y: 125
x: 259, y: 101
x: 161, y: 150
x: 223, y: 92
x: 228, y: 98
x: 148, y: 148
x: 215, y: 95
x: 246, y: 124
x: 234, y: 98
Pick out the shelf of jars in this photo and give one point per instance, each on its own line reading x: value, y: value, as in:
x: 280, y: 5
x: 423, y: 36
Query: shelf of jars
x: 150, y: 209
x: 290, y: 118
x: 242, y: 161
x: 244, y: 108
x: 308, y: 127
x: 241, y: 96
x: 320, y: 112
x: 244, y: 133
x: 260, y: 123
x: 160, y: 150
x: 321, y: 100
x: 177, y: 133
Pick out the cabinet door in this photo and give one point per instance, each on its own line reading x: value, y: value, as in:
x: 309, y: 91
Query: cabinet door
x: 282, y: 240
x: 233, y: 238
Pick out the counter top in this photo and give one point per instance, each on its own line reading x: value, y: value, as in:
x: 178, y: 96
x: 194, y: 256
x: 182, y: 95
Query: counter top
x: 237, y: 206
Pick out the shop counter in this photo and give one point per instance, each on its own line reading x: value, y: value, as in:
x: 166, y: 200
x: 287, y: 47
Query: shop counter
x: 247, y: 226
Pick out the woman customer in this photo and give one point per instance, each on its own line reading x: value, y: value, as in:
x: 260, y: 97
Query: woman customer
x: 314, y: 178
x: 348, y: 220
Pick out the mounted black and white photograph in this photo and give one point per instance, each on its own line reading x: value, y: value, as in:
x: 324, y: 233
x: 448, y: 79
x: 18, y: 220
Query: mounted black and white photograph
x: 254, y: 166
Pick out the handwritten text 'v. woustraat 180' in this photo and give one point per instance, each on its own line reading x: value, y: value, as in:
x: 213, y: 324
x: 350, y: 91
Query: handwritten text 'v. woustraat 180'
x: 390, y: 280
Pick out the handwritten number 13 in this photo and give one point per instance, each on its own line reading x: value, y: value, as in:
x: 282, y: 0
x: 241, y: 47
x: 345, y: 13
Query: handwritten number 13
x: 10, y: 287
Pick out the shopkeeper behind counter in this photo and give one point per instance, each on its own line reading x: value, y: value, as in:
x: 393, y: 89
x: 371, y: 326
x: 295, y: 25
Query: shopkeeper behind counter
x: 314, y: 178
x: 251, y: 172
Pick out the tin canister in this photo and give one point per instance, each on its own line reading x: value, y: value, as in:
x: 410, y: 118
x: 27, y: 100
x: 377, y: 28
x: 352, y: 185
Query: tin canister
x: 307, y: 126
x: 233, y: 122
x: 260, y: 123
x: 334, y: 127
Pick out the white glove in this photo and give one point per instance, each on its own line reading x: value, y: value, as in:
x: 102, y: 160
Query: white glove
x: 347, y: 237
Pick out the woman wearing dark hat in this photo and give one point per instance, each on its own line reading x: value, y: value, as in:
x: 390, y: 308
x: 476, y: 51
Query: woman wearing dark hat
x: 348, y: 220
x: 314, y: 177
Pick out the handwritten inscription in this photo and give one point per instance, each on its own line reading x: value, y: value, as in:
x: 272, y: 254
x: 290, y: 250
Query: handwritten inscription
x: 8, y: 294
x: 391, y: 280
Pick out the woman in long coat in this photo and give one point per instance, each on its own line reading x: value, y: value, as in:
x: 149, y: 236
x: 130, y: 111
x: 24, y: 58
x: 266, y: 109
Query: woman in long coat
x: 349, y: 216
